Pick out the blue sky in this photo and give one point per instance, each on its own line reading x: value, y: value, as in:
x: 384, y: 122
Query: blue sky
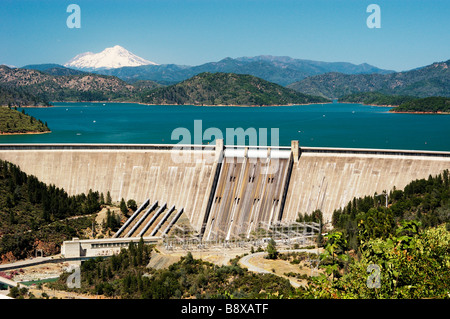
x: 413, y: 33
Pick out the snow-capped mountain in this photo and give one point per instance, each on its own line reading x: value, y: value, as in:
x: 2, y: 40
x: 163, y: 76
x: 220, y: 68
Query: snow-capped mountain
x: 110, y: 58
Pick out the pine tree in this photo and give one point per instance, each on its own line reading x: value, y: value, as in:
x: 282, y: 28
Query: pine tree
x: 108, y: 198
x: 123, y: 207
x: 272, y: 252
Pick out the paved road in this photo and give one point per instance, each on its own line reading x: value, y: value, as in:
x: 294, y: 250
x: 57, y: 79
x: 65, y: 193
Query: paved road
x: 245, y: 261
x: 26, y: 263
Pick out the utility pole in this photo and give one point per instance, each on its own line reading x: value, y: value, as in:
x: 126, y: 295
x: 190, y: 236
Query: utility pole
x: 386, y: 195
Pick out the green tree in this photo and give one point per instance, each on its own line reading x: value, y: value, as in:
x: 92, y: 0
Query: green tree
x: 413, y: 268
x: 123, y: 207
x: 14, y: 292
x: 108, y: 200
x: 271, y: 249
x: 131, y: 203
x: 335, y: 250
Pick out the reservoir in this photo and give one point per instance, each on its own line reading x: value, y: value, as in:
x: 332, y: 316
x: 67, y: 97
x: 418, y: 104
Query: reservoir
x: 318, y: 125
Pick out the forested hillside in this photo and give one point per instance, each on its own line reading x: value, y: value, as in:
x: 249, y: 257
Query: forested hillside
x: 35, y: 215
x: 17, y: 96
x: 46, y: 87
x: 13, y: 122
x: 375, y: 98
x: 431, y: 80
x: 433, y: 104
x: 227, y: 89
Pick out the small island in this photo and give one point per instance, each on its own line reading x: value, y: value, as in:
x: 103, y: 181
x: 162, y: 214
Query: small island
x: 13, y: 121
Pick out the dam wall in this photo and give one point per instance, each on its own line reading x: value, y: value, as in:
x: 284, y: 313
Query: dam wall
x: 138, y: 172
x: 328, y: 178
x: 227, y: 191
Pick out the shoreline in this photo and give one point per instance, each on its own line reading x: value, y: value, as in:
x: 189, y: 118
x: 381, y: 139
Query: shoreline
x: 418, y: 112
x: 235, y: 105
x: 25, y: 133
x: 232, y: 105
x: 28, y: 106
x: 399, y: 112
x: 377, y: 105
x: 208, y: 105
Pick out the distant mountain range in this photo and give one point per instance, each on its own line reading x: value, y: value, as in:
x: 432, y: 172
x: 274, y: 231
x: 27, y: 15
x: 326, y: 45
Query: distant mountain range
x: 283, y: 70
x: 280, y: 70
x: 431, y: 80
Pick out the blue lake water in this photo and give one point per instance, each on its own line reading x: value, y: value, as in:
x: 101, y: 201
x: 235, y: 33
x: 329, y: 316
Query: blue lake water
x: 327, y: 125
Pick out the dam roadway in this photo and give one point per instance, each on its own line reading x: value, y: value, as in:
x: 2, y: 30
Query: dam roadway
x: 226, y: 190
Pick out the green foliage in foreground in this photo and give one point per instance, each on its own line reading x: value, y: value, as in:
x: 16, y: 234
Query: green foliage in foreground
x: 432, y: 104
x: 13, y: 121
x: 411, y: 265
x: 406, y: 245
x: 424, y: 200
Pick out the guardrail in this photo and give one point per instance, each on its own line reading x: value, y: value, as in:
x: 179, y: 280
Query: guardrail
x: 57, y: 146
x: 212, y: 147
x: 369, y: 151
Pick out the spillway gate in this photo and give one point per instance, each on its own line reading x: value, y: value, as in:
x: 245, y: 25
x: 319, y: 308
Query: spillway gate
x: 249, y: 193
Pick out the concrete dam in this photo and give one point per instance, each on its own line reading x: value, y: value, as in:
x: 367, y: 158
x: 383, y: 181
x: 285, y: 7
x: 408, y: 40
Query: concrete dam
x: 226, y: 191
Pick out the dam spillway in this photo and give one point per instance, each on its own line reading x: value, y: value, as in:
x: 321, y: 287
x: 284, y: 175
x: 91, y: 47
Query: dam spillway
x: 226, y: 191
x: 250, y: 191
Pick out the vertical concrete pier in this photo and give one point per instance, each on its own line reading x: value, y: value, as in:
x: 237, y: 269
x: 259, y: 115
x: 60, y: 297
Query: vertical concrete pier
x: 295, y: 151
